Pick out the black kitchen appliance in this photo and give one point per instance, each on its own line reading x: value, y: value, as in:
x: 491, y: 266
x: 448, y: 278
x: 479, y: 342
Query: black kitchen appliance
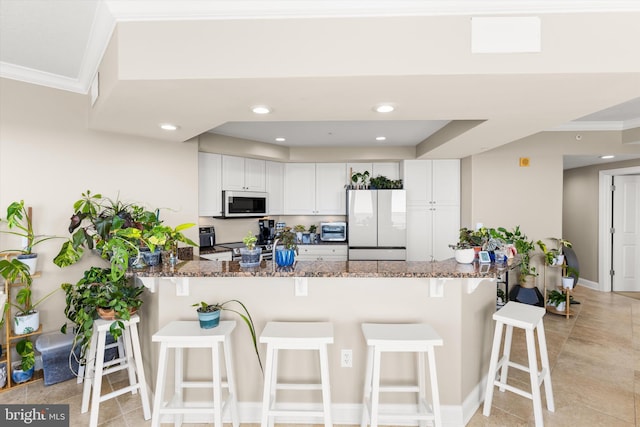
x: 207, y: 237
x: 267, y: 231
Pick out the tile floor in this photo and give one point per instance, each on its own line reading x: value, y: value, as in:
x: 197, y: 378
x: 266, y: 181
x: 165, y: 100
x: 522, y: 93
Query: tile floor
x: 595, y: 360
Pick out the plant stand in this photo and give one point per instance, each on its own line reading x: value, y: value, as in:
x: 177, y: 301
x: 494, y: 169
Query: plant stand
x: 566, y: 291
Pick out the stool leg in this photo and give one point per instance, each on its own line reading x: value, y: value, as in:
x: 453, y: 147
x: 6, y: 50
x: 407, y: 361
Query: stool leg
x: 375, y: 389
x: 493, y: 363
x: 179, y: 380
x: 533, y: 376
x: 128, y: 356
x: 142, y: 382
x: 160, y: 377
x: 217, y: 384
x: 435, y: 396
x: 326, y: 385
x: 366, y: 418
x: 88, y: 371
x: 268, y: 381
x: 422, y: 386
x: 231, y: 382
x: 542, y: 343
x: 506, y: 357
x: 97, y: 380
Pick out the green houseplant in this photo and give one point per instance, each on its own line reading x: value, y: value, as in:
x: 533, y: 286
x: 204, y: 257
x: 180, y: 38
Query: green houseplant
x: 360, y: 180
x: 553, y: 256
x: 94, y: 293
x: 211, y: 315
x: 285, y: 255
x: 250, y: 254
x: 23, y: 371
x: 557, y: 299
x: 19, y: 223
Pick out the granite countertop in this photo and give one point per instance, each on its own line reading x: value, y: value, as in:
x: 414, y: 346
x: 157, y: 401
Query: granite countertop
x: 407, y: 269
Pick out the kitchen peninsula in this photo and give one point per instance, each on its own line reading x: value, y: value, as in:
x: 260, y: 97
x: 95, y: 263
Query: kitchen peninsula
x: 458, y: 300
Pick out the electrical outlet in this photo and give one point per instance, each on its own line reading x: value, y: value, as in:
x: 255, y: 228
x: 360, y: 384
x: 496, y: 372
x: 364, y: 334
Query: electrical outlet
x: 346, y: 359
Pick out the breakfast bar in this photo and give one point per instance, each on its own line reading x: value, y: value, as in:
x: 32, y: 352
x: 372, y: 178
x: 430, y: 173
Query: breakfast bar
x: 457, y: 300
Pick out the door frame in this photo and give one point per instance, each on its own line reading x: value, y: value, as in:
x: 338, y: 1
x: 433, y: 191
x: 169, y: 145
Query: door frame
x: 604, y: 224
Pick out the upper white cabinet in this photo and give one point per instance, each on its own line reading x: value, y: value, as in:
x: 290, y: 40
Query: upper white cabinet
x: 432, y: 181
x: 433, y: 208
x: 315, y: 188
x: 275, y: 187
x: 390, y: 170
x: 243, y: 174
x: 209, y: 184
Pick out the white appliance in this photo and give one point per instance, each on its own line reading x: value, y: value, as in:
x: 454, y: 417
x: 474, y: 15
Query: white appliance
x: 377, y: 224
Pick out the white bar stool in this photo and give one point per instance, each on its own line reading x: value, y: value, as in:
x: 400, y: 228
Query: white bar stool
x: 416, y: 338
x: 117, y: 344
x: 295, y: 336
x: 97, y: 367
x: 183, y: 334
x: 529, y: 318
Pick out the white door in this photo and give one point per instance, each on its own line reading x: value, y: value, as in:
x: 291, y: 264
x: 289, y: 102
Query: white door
x: 626, y: 239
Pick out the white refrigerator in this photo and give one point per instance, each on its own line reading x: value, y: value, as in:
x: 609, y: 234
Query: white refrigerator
x: 377, y: 228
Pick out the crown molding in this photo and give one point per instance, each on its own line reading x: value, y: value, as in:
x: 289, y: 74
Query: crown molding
x: 586, y: 126
x: 29, y: 75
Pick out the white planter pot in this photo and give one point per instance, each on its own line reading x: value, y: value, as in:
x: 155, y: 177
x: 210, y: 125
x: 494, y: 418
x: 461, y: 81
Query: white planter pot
x: 31, y: 261
x: 558, y: 260
x: 26, y: 324
x: 567, y: 282
x: 562, y: 306
x: 464, y: 256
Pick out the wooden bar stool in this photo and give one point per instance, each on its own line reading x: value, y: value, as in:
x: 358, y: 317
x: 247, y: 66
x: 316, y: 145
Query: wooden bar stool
x: 96, y: 367
x: 416, y: 338
x: 529, y: 318
x: 182, y: 334
x: 295, y: 336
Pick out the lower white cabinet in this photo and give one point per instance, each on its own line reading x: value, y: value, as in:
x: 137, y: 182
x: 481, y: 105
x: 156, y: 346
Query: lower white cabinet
x: 322, y: 253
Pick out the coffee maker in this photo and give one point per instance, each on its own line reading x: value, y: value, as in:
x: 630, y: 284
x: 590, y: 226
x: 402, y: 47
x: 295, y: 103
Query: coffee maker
x: 267, y: 231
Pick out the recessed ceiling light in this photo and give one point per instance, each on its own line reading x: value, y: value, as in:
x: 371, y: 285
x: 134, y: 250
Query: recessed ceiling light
x: 608, y: 156
x: 261, y: 109
x: 168, y: 126
x: 381, y: 138
x: 281, y: 139
x: 384, y: 108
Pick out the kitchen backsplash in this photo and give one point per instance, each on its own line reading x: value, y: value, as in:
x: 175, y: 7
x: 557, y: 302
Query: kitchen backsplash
x: 233, y: 230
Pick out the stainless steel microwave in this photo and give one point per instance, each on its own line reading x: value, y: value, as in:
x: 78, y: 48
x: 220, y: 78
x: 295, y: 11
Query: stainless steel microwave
x: 239, y: 204
x: 333, y: 231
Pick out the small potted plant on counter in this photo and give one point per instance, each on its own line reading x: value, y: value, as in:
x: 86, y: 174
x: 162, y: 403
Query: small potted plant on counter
x: 299, y: 229
x: 312, y: 233
x: 286, y: 254
x: 209, y: 317
x: 250, y: 254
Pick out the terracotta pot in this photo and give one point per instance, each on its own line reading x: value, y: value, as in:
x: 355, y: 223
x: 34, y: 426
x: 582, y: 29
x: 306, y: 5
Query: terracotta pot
x: 110, y: 314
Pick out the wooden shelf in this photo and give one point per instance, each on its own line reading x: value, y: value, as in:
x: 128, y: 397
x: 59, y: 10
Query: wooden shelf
x: 551, y: 309
x: 13, y: 337
x: 37, y: 376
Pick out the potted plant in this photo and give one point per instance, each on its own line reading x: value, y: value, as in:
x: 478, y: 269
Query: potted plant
x: 285, y: 255
x: 312, y: 233
x: 209, y: 316
x: 19, y: 223
x: 524, y: 247
x: 164, y: 239
x: 250, y: 254
x: 557, y: 299
x: 465, y: 249
x: 360, y: 180
x: 299, y: 229
x: 96, y: 292
x: 554, y: 256
x: 27, y: 318
x: 23, y: 371
x: 568, y: 278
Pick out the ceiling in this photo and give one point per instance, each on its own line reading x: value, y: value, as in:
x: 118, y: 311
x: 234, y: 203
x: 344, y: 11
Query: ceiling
x: 323, y: 66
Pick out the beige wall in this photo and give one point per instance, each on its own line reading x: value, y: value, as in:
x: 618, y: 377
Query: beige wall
x: 580, y: 220
x: 48, y: 157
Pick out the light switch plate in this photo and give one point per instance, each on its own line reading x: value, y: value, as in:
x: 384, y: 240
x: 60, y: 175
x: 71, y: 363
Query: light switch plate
x: 301, y: 286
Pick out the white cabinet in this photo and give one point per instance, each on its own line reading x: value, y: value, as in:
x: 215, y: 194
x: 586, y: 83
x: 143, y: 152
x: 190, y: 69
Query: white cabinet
x: 209, y: 184
x: 322, y: 253
x: 314, y: 189
x: 274, y: 186
x: 243, y: 174
x: 433, y: 208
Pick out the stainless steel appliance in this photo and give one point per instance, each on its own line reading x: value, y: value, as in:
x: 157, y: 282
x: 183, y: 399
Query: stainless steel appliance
x: 377, y: 224
x: 267, y: 231
x: 243, y: 204
x: 333, y: 231
x: 267, y: 250
x: 207, y: 237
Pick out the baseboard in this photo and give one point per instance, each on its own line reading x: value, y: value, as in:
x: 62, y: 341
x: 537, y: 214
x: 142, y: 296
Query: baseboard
x: 589, y: 284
